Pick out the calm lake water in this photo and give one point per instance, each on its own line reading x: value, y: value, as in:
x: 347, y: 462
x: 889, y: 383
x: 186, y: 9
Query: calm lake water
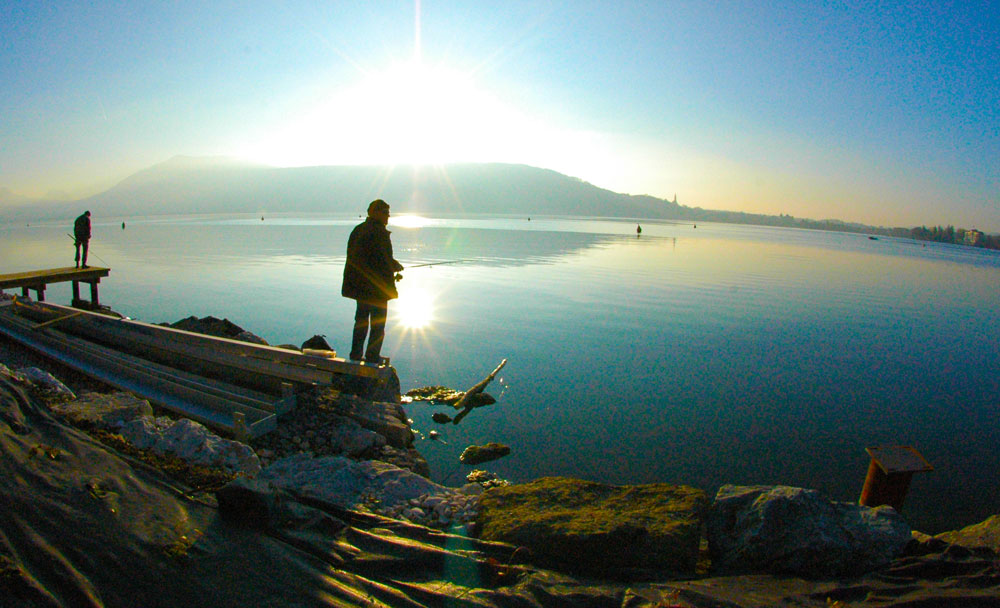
x: 703, y: 356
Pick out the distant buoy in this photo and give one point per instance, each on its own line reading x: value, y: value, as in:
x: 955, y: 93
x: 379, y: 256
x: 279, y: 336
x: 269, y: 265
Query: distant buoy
x: 638, y: 229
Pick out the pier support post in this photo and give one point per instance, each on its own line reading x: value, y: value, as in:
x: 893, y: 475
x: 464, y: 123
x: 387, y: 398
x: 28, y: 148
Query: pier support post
x: 94, y: 302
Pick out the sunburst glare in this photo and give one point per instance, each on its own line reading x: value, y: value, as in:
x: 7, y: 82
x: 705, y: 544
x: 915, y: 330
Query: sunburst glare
x: 415, y: 308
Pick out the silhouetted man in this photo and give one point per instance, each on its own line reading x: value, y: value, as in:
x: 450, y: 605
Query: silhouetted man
x: 370, y: 278
x: 81, y: 232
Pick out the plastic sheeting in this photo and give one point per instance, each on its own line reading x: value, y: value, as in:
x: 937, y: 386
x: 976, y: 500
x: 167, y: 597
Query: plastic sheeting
x: 81, y: 525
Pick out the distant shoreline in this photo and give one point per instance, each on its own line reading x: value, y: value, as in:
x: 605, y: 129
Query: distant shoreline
x: 214, y: 185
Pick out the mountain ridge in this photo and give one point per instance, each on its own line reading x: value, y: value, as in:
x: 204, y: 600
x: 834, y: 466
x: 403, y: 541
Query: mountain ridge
x: 219, y: 184
x: 222, y: 185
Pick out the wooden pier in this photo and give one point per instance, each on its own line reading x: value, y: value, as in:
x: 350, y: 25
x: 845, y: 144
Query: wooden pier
x: 38, y: 280
x: 235, y: 387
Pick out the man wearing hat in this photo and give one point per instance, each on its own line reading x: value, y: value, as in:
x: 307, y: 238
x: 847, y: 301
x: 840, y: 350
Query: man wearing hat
x: 370, y: 279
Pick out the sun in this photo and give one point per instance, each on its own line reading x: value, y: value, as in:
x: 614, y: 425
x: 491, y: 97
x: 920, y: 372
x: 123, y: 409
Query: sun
x: 421, y: 113
x: 408, y: 113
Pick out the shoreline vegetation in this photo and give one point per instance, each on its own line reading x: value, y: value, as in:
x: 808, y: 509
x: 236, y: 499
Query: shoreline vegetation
x: 936, y: 234
x: 297, y: 521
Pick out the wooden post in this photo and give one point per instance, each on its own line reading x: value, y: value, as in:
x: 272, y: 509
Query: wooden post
x: 287, y: 401
x: 241, y: 432
x: 889, y: 474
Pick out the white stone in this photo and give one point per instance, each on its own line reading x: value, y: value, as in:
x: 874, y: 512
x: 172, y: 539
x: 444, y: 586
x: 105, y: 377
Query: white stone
x: 414, y: 514
x: 47, y: 382
x: 191, y: 442
x: 348, y: 483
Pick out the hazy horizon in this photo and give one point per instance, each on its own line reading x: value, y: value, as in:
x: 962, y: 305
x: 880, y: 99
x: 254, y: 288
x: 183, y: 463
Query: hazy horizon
x: 160, y: 181
x: 881, y: 115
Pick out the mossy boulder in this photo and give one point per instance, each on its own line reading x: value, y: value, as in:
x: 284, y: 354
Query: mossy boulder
x: 595, y: 529
x: 984, y: 535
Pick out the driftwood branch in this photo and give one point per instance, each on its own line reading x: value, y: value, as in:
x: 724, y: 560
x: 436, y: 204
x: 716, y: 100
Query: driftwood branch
x: 478, y: 388
x: 468, y: 401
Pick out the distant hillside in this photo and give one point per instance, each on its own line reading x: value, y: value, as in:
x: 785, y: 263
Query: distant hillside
x: 197, y: 185
x: 184, y: 185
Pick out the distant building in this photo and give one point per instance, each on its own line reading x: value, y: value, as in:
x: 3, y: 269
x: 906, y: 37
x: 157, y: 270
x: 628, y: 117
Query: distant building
x: 973, y: 237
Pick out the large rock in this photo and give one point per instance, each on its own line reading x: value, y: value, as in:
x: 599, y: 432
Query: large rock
x: 43, y: 381
x: 132, y: 417
x: 597, y: 529
x: 350, y: 484
x: 383, y: 388
x: 222, y: 328
x: 352, y: 440
x: 104, y: 410
x: 780, y: 529
x: 478, y: 454
x: 385, y: 418
x: 190, y: 441
x: 984, y: 535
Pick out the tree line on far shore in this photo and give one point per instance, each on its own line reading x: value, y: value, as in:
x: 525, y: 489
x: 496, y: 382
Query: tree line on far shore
x: 937, y: 234
x: 958, y: 236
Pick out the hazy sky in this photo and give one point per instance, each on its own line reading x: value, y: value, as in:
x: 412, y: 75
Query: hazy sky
x: 881, y: 112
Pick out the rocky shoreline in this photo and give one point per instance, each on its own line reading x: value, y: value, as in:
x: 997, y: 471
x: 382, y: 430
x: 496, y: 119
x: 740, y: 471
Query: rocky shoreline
x: 341, y: 480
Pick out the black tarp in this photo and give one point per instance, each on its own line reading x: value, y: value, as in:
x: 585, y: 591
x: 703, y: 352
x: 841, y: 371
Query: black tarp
x: 81, y: 525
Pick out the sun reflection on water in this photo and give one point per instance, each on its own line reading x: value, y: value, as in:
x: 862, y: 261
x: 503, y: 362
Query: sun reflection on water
x: 409, y: 221
x: 415, y: 308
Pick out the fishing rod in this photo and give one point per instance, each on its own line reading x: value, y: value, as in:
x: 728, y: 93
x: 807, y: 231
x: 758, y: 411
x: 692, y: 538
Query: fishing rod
x: 89, y: 250
x: 440, y: 263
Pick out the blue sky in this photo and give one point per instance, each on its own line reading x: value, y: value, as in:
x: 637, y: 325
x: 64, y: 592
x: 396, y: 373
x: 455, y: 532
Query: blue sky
x: 885, y: 113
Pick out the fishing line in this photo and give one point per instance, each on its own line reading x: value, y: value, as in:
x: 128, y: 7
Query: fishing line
x: 440, y: 263
x: 90, y: 252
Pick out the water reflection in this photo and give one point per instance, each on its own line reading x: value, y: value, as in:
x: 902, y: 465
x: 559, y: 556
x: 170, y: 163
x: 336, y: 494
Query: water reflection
x: 726, y: 354
x: 409, y: 221
x: 415, y: 307
x: 187, y: 244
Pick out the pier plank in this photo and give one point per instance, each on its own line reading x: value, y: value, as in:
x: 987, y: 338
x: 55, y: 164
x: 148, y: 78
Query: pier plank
x: 33, y: 278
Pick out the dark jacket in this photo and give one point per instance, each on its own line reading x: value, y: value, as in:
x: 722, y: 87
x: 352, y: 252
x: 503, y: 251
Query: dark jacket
x: 370, y: 268
x: 81, y: 228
